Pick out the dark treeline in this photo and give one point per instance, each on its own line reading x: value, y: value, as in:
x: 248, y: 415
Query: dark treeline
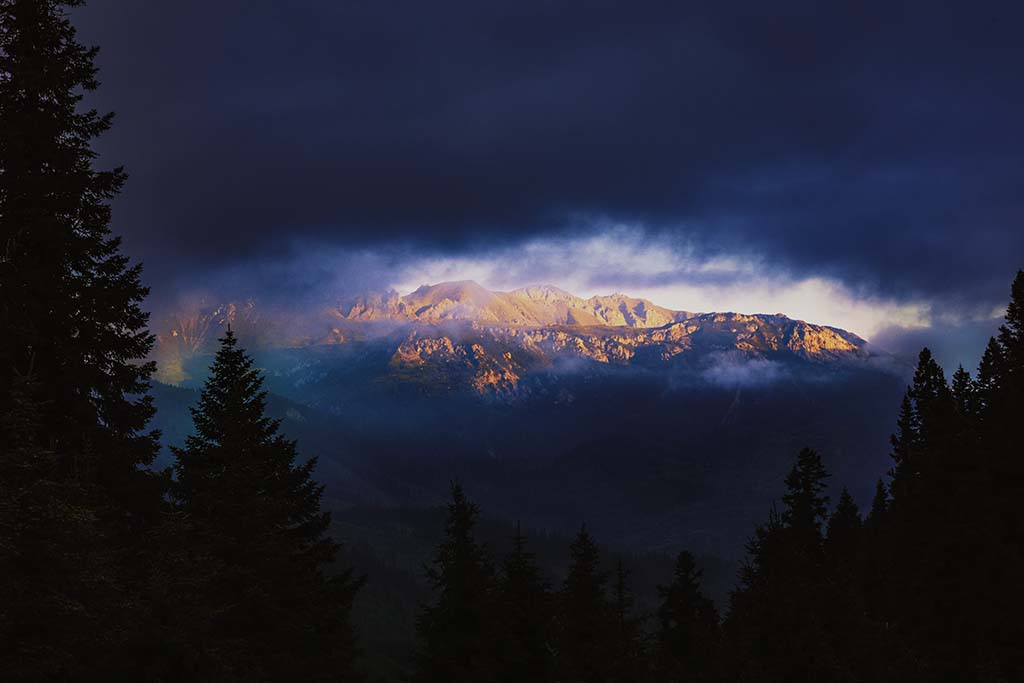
x: 221, y: 568
x: 924, y: 587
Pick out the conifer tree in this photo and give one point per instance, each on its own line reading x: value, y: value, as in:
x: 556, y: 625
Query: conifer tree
x: 628, y: 653
x: 584, y: 642
x: 879, y: 505
x: 806, y: 503
x: 254, y: 519
x: 59, y: 598
x: 905, y: 447
x: 843, y: 538
x: 79, y: 499
x: 455, y: 632
x: 1005, y: 436
x: 937, y: 540
x: 990, y: 373
x: 777, y: 628
x: 687, y: 638
x: 523, y: 619
x: 69, y: 300
x: 1001, y: 391
x: 964, y: 395
x: 877, y: 558
x: 933, y: 401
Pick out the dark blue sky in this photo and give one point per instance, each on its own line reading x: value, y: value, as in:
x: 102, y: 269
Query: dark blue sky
x: 875, y: 147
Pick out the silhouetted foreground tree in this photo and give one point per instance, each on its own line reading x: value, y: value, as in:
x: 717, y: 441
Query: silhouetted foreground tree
x: 76, y: 498
x: 253, y: 528
x: 928, y: 586
x: 456, y: 632
x: 524, y: 611
x: 950, y: 538
x: 688, y: 638
x: 69, y: 301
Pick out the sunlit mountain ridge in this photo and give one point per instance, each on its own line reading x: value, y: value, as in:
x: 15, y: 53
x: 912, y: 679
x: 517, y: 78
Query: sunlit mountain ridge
x: 459, y: 335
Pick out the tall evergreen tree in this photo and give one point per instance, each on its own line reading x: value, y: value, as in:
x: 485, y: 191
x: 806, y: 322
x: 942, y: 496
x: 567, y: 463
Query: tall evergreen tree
x: 253, y: 517
x: 628, y: 654
x: 687, y: 637
x: 789, y: 620
x: 584, y: 639
x: 59, y: 595
x: 964, y: 395
x: 843, y: 538
x: 879, y: 505
x: 938, y: 541
x: 78, y: 498
x: 877, y: 557
x: 523, y: 618
x: 1001, y: 389
x: 455, y: 632
x: 805, y: 501
x: 69, y: 300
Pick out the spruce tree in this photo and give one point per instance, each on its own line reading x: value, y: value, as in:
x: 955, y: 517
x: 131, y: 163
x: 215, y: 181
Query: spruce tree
x: 523, y: 619
x: 628, y: 653
x: 879, y: 505
x: 455, y: 631
x: 69, y: 300
x: 787, y: 620
x: 843, y: 537
x: 1005, y: 435
x: 1001, y: 389
x: 806, y: 503
x: 60, y: 601
x: 687, y: 639
x: 938, y: 541
x: 905, y: 447
x: 254, y: 519
x: 585, y: 631
x: 877, y: 557
x: 79, y: 500
x: 990, y: 374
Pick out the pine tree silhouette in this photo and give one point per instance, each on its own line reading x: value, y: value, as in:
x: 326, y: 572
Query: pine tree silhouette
x: 584, y: 639
x: 805, y: 502
x: 523, y: 618
x: 1000, y: 387
x: 788, y: 621
x: 687, y: 641
x: 628, y: 654
x: 455, y: 632
x: 59, y: 590
x: 69, y: 300
x: 78, y: 499
x: 879, y: 505
x: 843, y: 538
x: 254, y: 519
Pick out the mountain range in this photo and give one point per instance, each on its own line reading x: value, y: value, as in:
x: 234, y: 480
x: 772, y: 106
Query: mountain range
x: 659, y: 428
x: 461, y: 336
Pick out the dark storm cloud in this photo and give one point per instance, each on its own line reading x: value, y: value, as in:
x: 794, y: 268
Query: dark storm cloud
x: 876, y: 143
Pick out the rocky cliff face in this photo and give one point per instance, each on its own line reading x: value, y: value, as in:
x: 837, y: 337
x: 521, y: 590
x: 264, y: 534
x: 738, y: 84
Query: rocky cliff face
x: 531, y: 306
x: 459, y: 335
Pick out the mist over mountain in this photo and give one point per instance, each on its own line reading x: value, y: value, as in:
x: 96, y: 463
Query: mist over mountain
x: 461, y: 336
x: 553, y: 408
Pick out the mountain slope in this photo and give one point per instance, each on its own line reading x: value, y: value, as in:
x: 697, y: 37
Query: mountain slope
x: 530, y: 306
x: 461, y: 336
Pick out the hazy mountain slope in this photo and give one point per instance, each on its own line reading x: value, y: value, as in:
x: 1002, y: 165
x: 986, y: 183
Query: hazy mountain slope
x: 460, y: 336
x: 530, y: 306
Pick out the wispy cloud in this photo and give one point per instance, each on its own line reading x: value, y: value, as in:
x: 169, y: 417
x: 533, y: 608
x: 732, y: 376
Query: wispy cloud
x: 671, y: 272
